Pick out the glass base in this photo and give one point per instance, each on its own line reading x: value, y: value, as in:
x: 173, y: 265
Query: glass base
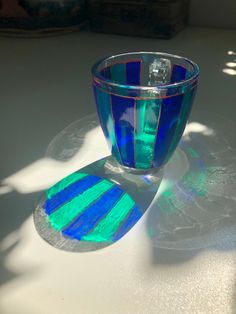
x: 117, y: 167
x: 151, y: 171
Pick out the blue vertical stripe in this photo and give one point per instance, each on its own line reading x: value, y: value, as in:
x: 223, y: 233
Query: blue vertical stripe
x: 92, y: 215
x: 133, y: 73
x: 170, y: 111
x: 188, y: 99
x: 69, y: 193
x: 123, y: 114
x: 178, y: 73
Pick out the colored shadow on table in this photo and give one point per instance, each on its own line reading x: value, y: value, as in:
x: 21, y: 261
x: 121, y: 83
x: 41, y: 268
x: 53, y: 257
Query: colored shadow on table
x: 94, y: 207
x: 90, y: 209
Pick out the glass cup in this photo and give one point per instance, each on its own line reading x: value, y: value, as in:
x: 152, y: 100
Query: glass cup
x: 143, y: 102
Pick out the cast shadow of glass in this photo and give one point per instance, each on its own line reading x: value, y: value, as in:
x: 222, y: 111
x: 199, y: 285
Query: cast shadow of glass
x: 103, y: 222
x: 76, y: 145
x: 195, y: 207
x: 192, y: 210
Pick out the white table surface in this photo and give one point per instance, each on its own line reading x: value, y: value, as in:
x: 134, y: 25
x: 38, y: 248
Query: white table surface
x: 45, y: 85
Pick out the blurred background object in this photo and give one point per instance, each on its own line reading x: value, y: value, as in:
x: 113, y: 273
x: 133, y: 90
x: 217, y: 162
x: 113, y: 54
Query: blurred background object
x: 161, y: 19
x: 145, y: 18
x: 158, y: 18
x: 37, y: 17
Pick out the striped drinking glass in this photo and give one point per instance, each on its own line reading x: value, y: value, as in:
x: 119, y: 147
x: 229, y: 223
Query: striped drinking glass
x: 143, y: 102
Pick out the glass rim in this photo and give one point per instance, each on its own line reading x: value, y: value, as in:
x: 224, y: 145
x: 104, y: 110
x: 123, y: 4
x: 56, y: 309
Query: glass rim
x: 96, y: 74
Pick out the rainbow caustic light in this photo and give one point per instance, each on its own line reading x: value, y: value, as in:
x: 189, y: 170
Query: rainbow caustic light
x: 89, y: 208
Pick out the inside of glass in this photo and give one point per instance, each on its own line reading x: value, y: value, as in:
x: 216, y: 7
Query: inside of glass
x: 146, y: 69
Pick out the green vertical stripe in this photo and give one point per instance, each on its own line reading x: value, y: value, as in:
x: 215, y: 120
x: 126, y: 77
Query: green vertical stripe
x: 118, y: 73
x: 61, y: 185
x: 147, y: 115
x: 65, y: 214
x: 108, y: 226
x: 111, y: 130
x: 104, y: 105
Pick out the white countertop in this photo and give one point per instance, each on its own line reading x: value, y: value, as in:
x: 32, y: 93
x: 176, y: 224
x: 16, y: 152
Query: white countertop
x: 45, y: 85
